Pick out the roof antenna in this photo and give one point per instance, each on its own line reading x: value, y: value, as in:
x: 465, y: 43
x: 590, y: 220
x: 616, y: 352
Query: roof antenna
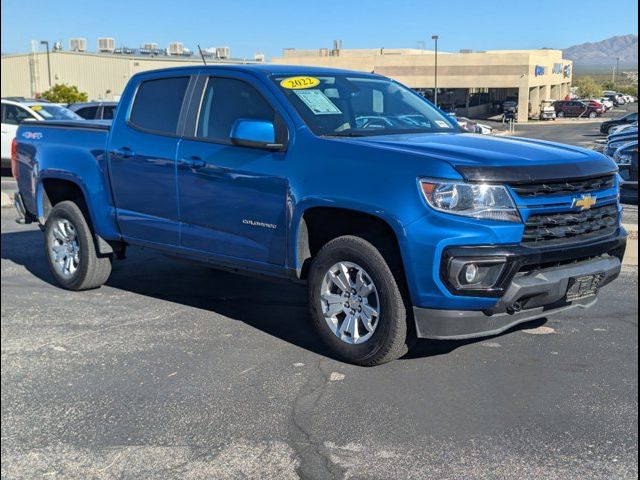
x: 202, y: 56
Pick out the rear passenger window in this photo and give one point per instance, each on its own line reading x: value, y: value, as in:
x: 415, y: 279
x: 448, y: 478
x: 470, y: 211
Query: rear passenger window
x: 158, y: 103
x: 225, y: 101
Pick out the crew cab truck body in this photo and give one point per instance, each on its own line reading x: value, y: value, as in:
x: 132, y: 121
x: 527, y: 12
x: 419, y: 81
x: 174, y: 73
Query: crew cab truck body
x: 402, y: 225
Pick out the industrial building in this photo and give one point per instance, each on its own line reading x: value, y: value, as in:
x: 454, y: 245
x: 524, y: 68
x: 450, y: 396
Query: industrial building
x: 102, y: 74
x: 472, y: 83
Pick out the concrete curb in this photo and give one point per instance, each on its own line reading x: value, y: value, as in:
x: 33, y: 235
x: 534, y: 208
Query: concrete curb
x: 7, y: 199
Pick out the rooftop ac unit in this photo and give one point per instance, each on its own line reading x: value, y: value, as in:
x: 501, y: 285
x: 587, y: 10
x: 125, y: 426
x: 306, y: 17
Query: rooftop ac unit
x: 175, y: 48
x: 78, y: 44
x: 258, y: 57
x: 106, y: 45
x: 223, y: 52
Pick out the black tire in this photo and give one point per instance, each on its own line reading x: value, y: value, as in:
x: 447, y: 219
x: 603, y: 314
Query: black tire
x: 560, y: 114
x: 92, y: 269
x: 391, y: 338
x: 593, y: 115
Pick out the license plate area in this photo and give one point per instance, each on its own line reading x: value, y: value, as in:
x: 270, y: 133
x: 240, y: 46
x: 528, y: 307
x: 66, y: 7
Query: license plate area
x: 583, y: 287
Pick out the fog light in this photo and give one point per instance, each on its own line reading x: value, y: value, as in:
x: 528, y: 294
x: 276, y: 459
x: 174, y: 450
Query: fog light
x: 467, y: 275
x: 471, y: 273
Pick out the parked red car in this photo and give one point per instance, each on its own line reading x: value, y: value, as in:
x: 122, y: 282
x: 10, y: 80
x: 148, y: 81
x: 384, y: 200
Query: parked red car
x: 578, y: 108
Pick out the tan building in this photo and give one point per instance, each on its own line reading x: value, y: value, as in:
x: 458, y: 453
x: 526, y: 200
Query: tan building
x: 101, y: 75
x: 470, y: 82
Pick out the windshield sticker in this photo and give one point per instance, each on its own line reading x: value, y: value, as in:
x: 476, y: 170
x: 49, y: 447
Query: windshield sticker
x: 35, y: 108
x: 318, y: 102
x: 442, y: 124
x: 298, y: 83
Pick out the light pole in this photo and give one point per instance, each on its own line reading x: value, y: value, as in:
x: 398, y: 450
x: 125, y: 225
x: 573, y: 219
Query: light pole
x: 435, y: 87
x: 46, y: 43
x: 615, y: 78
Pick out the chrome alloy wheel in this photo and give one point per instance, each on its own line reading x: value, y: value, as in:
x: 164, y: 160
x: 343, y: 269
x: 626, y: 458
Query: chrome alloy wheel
x: 64, y: 249
x: 350, y: 303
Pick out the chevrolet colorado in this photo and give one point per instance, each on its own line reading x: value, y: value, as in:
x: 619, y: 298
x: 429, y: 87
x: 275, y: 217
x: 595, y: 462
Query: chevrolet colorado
x: 402, y: 225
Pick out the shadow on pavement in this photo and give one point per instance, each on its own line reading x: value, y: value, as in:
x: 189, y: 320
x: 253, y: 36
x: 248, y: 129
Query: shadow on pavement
x: 278, y: 308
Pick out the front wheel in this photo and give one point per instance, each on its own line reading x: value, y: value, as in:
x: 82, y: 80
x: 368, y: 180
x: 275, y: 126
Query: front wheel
x: 356, y: 303
x: 71, y: 251
x: 560, y: 114
x: 593, y: 115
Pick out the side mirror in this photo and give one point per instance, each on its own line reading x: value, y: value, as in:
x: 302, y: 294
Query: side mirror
x: 255, y: 133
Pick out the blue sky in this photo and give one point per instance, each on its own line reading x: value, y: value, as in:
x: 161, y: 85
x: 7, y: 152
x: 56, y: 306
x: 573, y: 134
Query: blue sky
x: 268, y: 26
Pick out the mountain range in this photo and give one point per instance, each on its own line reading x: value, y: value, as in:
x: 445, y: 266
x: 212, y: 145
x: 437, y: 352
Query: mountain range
x: 605, y: 52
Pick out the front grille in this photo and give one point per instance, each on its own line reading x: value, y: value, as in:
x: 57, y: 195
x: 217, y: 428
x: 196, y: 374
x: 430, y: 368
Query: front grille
x: 567, y: 187
x: 571, y: 227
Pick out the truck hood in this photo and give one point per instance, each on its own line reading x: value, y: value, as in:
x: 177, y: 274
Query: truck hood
x: 499, y: 159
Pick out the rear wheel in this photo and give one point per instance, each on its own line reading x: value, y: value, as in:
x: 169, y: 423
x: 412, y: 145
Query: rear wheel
x: 356, y: 303
x: 71, y: 252
x: 560, y: 114
x: 593, y: 114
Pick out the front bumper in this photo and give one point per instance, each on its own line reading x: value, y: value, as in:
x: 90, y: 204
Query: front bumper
x: 535, y: 286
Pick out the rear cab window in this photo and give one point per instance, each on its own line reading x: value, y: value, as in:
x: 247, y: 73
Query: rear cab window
x: 157, y: 105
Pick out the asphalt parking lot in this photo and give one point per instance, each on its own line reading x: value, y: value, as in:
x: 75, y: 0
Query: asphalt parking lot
x: 179, y: 371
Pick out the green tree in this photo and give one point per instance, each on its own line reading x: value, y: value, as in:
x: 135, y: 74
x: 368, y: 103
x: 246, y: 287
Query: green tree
x: 64, y: 94
x: 629, y: 89
x: 588, y: 87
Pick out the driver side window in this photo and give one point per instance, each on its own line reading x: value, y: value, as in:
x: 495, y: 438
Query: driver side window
x: 225, y: 101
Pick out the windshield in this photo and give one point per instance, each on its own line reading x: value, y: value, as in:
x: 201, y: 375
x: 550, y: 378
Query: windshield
x: 346, y: 105
x: 55, y: 112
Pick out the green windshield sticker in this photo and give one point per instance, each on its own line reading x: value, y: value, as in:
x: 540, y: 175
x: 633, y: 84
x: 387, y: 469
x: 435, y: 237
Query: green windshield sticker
x: 317, y: 102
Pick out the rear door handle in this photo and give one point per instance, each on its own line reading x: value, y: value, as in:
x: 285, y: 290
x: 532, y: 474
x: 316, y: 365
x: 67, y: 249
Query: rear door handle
x: 124, y: 152
x: 191, y: 162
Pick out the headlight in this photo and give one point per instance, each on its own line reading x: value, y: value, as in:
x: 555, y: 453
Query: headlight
x: 490, y: 202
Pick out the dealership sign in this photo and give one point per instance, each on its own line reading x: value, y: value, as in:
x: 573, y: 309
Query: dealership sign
x: 567, y: 71
x: 540, y: 70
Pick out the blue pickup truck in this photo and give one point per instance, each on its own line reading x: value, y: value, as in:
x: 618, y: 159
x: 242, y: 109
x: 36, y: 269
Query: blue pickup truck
x: 401, y: 225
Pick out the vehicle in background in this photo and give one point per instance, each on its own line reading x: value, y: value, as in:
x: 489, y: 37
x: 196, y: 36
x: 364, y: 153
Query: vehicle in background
x: 576, y: 108
x: 627, y: 159
x: 616, y: 98
x: 622, y: 128
x: 510, y: 104
x: 605, y: 127
x: 401, y: 225
x: 472, y: 126
x: 14, y: 112
x: 94, y: 110
x: 606, y: 102
x: 616, y: 141
x: 629, y: 98
x: 547, y: 110
x: 598, y: 105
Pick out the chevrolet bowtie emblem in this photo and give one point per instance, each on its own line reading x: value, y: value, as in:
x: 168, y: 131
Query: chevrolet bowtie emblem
x: 585, y: 202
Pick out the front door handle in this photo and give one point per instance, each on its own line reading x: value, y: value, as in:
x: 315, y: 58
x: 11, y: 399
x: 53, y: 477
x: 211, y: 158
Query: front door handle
x: 124, y: 152
x: 191, y: 162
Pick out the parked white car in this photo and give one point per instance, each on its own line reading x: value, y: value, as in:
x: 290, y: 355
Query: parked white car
x: 606, y: 102
x: 16, y: 112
